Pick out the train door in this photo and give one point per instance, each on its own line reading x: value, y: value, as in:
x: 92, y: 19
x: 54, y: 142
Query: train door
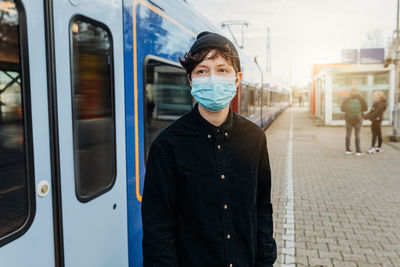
x: 89, y: 100
x: 26, y: 217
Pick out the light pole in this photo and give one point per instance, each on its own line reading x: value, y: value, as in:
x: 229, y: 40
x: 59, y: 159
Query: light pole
x: 268, y: 64
x: 396, y: 59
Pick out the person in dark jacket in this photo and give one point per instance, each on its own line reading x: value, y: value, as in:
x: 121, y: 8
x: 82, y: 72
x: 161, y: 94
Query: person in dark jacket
x: 353, y: 107
x: 375, y: 115
x: 207, y: 189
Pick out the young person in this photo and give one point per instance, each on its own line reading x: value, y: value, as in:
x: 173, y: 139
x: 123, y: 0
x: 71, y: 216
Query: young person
x: 207, y: 191
x: 353, y: 106
x: 375, y: 115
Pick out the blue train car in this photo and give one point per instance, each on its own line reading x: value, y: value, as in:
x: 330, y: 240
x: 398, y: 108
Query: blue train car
x: 85, y: 86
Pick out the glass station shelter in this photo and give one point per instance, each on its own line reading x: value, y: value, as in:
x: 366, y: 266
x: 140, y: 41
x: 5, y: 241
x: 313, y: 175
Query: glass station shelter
x: 332, y: 86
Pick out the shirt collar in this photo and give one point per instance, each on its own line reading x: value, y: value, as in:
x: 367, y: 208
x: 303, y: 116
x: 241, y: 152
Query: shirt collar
x: 205, y: 126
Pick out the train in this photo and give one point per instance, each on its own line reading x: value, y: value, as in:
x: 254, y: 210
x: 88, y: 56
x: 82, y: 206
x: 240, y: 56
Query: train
x: 85, y: 86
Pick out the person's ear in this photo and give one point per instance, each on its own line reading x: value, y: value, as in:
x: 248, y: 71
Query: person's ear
x: 190, y: 80
x: 238, y: 79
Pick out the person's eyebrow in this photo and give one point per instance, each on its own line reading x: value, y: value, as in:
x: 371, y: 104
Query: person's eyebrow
x: 202, y: 66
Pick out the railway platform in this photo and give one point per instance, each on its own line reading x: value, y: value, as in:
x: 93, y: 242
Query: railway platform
x: 331, y: 209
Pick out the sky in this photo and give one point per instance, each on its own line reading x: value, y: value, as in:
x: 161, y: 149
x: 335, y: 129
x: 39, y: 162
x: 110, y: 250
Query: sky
x: 304, y: 32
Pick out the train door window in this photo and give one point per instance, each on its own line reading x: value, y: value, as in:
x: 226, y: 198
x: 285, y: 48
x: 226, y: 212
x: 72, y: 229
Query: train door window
x: 93, y: 108
x: 17, y: 205
x: 167, y: 96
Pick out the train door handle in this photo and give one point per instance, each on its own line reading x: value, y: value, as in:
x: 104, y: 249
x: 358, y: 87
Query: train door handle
x: 43, y: 188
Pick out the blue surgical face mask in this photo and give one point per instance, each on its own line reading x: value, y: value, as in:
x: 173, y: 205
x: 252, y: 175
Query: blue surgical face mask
x: 214, y: 92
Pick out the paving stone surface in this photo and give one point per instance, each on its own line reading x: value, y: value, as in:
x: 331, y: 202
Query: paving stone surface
x: 346, y: 209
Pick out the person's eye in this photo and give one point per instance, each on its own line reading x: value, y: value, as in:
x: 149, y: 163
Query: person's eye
x: 223, y: 70
x: 201, y: 71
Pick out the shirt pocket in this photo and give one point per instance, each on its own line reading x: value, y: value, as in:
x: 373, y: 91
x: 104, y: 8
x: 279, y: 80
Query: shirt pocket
x: 245, y: 189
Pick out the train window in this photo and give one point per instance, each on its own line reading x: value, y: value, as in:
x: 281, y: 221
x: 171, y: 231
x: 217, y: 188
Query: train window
x: 244, y: 105
x: 252, y: 100
x: 258, y: 96
x: 17, y: 206
x: 93, y: 108
x: 167, y: 96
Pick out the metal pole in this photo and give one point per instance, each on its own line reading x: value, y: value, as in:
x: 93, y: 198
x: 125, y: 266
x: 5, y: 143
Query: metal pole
x: 242, y: 38
x: 268, y: 63
x: 397, y: 22
x: 396, y: 79
x: 266, y: 56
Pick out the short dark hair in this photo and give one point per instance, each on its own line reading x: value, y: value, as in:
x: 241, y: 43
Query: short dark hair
x: 189, y: 61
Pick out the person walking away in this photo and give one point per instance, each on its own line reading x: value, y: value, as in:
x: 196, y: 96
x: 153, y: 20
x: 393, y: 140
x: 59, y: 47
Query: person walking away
x: 375, y: 115
x: 207, y: 188
x: 353, y: 107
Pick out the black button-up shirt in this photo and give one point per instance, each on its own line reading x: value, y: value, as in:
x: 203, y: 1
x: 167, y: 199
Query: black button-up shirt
x: 206, y: 199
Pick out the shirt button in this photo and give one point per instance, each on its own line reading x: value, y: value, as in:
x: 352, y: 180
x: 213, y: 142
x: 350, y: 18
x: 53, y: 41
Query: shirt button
x: 226, y: 134
x: 219, y: 147
x: 231, y: 265
x: 225, y: 206
x: 209, y: 136
x: 218, y: 131
x: 228, y: 236
x: 222, y: 176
